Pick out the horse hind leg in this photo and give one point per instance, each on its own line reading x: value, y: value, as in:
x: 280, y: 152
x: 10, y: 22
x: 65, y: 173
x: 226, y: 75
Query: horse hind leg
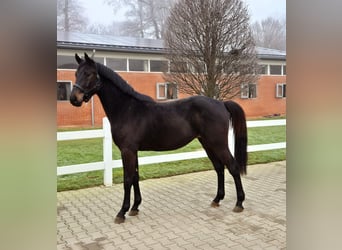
x: 239, y: 193
x: 233, y: 169
x: 225, y: 157
x: 219, y: 168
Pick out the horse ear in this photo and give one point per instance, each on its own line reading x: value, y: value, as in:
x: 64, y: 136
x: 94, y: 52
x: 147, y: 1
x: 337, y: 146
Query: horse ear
x: 78, y: 59
x: 93, y: 54
x: 86, y: 56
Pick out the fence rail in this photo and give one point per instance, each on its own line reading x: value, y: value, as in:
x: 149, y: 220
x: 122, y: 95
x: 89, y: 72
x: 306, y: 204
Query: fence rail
x: 108, y: 163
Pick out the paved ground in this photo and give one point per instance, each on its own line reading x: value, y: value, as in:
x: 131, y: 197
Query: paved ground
x: 176, y: 214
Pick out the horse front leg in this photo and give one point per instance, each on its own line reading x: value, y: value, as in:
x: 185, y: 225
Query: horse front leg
x: 129, y: 159
x: 137, y: 195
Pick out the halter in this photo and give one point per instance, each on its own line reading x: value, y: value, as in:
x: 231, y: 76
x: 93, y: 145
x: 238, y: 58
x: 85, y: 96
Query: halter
x: 89, y: 92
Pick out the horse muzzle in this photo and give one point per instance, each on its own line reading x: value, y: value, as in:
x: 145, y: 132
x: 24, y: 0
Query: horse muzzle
x: 76, y: 97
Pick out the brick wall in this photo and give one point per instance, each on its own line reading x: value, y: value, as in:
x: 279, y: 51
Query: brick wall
x: 67, y: 115
x: 266, y: 102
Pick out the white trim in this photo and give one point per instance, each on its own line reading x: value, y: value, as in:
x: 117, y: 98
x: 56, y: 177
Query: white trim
x: 66, y: 69
x: 266, y: 123
x: 166, y: 86
x: 248, y: 91
x: 158, y: 85
x: 64, y: 81
x: 280, y: 90
x: 71, y: 85
x: 148, y: 69
x: 243, y: 88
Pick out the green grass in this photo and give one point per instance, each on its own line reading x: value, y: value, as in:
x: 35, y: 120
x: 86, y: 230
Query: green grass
x: 90, y: 150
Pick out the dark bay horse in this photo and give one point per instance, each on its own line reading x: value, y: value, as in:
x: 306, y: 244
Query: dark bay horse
x: 140, y: 123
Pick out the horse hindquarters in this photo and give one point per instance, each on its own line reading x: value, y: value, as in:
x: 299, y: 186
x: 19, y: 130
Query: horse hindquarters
x: 238, y: 120
x: 218, y: 152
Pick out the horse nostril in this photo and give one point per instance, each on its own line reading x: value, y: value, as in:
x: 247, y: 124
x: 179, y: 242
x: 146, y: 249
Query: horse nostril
x: 74, y: 101
x: 76, y: 97
x: 72, y: 98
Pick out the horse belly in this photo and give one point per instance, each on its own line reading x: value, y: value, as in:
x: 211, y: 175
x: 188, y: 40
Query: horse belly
x: 167, y: 139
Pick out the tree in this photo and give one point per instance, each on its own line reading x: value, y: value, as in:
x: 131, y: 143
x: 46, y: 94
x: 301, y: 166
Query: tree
x: 69, y: 16
x: 270, y: 33
x: 115, y: 28
x: 146, y: 18
x: 211, y: 48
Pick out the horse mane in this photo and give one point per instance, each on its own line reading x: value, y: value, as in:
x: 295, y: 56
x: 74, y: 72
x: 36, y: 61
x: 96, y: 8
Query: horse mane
x: 120, y: 83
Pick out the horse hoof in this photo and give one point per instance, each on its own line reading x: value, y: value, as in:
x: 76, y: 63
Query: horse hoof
x: 238, y: 209
x: 215, y: 204
x: 119, y: 220
x: 133, y: 212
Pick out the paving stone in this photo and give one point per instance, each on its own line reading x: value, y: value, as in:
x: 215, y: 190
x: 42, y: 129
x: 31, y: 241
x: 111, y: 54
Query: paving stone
x: 176, y: 214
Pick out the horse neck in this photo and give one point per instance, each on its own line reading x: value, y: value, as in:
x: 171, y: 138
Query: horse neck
x: 116, y: 95
x: 113, y: 101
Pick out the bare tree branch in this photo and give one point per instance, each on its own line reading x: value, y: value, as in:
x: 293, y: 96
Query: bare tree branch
x: 270, y: 33
x: 211, y: 48
x: 70, y: 16
x: 146, y: 18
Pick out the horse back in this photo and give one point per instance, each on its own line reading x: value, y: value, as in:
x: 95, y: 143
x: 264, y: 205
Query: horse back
x: 171, y: 125
x: 174, y: 124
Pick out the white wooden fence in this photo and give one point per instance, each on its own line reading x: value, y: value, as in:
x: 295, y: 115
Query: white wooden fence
x: 108, y: 163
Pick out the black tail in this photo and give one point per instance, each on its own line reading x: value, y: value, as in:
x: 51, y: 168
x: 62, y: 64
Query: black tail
x: 238, y: 120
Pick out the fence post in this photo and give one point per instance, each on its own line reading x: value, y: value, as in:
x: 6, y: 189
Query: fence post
x: 231, y: 138
x: 107, y: 153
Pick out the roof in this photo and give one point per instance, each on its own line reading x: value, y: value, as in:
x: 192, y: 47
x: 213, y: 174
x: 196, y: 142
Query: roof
x: 107, y: 42
x: 265, y: 53
x: 73, y: 40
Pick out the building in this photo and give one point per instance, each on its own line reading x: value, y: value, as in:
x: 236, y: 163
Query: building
x: 141, y: 63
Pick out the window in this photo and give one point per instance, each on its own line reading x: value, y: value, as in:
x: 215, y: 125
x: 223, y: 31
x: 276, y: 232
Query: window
x: 119, y: 64
x: 69, y: 62
x: 159, y: 66
x: 230, y: 68
x: 275, y: 69
x: 248, y: 90
x: 66, y: 62
x: 281, y: 90
x: 269, y: 69
x: 63, y: 91
x: 178, y: 67
x: 98, y: 59
x: 263, y: 70
x: 167, y: 91
x: 137, y: 65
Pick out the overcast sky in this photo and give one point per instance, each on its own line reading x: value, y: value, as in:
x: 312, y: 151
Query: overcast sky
x: 98, y: 12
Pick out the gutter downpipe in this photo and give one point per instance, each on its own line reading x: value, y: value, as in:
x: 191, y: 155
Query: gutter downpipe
x: 92, y: 112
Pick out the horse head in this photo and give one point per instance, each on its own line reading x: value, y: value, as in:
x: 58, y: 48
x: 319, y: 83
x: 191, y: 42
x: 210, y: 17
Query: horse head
x: 87, y: 81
